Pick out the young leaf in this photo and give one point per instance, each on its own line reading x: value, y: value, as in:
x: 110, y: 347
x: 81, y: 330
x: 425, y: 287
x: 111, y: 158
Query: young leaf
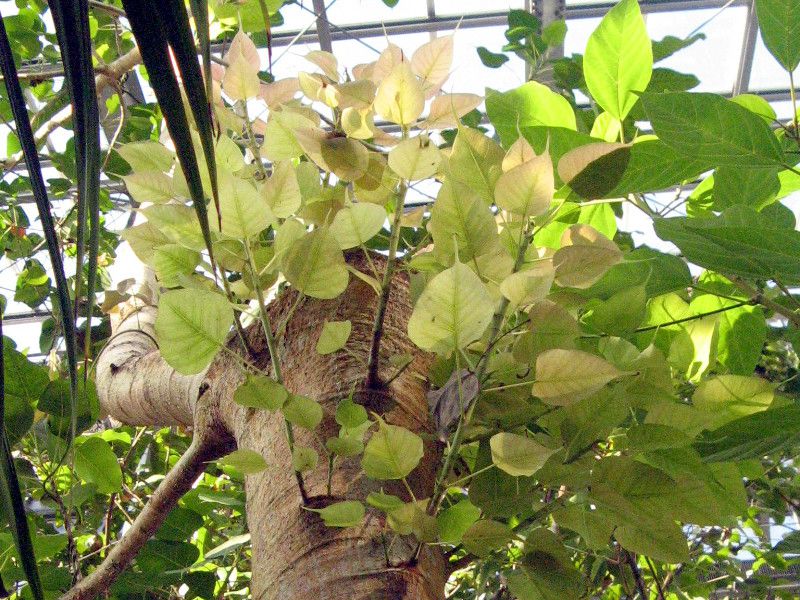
x: 259, y: 391
x: 584, y: 257
x: 447, y: 109
x: 400, y: 98
x: 415, y: 158
x: 282, y: 190
x: 350, y: 415
x: 527, y: 189
x: 454, y: 309
x: 243, y: 210
x: 432, y: 62
x: 302, y: 411
x: 247, y: 462
x: 191, y: 326
x: 392, y: 452
x: 566, y: 376
x: 349, y: 513
x: 518, y: 455
x: 304, y: 459
x: 619, y: 59
x: 475, y: 162
x: 334, y: 336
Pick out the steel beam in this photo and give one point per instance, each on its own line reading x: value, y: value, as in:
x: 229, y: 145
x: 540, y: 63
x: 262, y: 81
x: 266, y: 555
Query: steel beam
x: 742, y: 81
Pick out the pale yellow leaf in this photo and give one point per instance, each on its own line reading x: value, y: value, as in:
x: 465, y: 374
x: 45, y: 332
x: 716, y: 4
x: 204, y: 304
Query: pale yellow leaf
x: 279, y: 92
x: 447, y: 109
x: 527, y: 189
x: 282, y: 191
x: 415, y: 158
x: 565, y: 376
x: 356, y: 224
x: 326, y: 62
x: 400, y: 98
x: 529, y: 286
x: 585, y: 256
x: 518, y: 455
x: 432, y: 62
x: 358, y: 124
x: 149, y: 186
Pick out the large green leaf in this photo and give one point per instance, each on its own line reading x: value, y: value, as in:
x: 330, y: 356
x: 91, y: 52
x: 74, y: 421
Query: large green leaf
x: 709, y: 127
x: 631, y: 494
x: 751, y: 247
x: 530, y: 105
x: 753, y: 436
x: 454, y: 309
x: 547, y: 571
x: 779, y: 22
x: 619, y: 59
x: 191, y: 327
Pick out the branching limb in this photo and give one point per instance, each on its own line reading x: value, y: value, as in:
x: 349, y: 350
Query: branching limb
x: 759, y: 298
x: 177, y: 482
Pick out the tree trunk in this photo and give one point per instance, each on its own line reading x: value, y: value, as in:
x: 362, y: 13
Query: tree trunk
x: 294, y: 555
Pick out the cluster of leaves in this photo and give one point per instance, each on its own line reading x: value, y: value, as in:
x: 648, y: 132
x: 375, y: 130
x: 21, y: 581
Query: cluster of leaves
x: 608, y: 416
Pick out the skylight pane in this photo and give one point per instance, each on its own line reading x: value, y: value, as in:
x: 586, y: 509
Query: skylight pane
x: 767, y: 73
x: 471, y: 7
x: 715, y: 60
x: 348, y: 12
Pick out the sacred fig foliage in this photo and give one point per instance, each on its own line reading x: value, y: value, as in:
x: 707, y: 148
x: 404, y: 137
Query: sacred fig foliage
x: 607, y: 414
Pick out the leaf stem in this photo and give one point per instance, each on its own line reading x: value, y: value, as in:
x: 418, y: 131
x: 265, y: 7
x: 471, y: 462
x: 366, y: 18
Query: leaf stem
x: 273, y: 355
x: 497, y: 323
x: 386, y: 288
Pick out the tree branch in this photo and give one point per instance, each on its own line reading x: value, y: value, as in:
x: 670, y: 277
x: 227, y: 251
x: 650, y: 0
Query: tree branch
x: 637, y: 574
x: 176, y: 483
x: 759, y: 298
x: 108, y: 75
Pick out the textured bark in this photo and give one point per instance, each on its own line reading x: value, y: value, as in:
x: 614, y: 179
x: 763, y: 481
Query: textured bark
x: 294, y: 555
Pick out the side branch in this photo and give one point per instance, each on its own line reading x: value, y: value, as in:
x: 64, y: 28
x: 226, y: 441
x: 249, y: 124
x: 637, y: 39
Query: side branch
x: 176, y: 483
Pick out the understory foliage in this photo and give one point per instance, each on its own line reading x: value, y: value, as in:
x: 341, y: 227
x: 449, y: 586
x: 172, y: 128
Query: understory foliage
x: 618, y: 420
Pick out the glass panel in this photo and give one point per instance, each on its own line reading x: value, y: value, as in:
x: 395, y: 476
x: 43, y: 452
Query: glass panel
x: 469, y: 7
x: 715, y: 60
x: 767, y: 73
x: 344, y: 12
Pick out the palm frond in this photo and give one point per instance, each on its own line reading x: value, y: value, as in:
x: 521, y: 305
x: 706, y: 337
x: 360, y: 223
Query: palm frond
x: 71, y: 18
x: 148, y: 26
x: 179, y: 33
x: 10, y: 491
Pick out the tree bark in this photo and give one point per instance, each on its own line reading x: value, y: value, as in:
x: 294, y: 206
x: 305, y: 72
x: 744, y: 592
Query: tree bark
x: 294, y: 555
